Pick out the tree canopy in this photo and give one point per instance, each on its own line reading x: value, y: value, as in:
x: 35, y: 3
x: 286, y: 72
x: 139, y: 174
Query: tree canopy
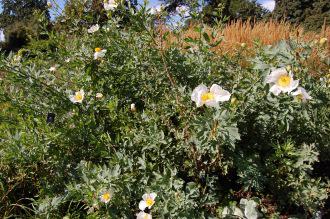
x: 234, y: 9
x: 219, y: 9
x: 312, y: 13
x: 18, y: 21
x: 20, y: 10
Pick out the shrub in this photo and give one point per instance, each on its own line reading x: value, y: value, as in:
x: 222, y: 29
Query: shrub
x: 74, y: 128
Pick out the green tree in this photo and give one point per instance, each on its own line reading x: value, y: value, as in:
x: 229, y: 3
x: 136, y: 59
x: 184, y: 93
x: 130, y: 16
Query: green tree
x: 18, y: 21
x: 319, y: 15
x: 220, y: 9
x: 311, y: 13
x: 20, y: 10
x: 294, y: 11
x: 233, y: 10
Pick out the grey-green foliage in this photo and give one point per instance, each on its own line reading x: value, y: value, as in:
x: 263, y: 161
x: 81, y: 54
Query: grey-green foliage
x: 197, y: 160
x: 290, y: 169
x: 247, y: 208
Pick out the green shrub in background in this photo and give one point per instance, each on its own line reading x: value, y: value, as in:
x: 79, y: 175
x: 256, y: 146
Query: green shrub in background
x: 100, y: 119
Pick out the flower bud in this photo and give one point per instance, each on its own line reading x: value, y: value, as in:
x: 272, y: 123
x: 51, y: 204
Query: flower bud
x: 133, y: 108
x: 288, y: 67
x: 52, y: 69
x: 323, y: 41
x: 99, y: 96
x: 234, y: 101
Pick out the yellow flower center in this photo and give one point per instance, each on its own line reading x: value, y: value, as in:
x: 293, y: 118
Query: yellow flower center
x: 106, y: 196
x: 78, y: 96
x: 98, y: 49
x: 207, y: 96
x: 284, y: 81
x: 149, y: 202
x: 300, y: 97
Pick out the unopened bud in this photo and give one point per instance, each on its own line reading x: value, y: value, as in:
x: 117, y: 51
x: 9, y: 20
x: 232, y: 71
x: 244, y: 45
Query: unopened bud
x: 133, y: 108
x: 52, y: 69
x: 99, y: 96
x: 234, y: 101
x: 323, y: 41
x: 288, y: 67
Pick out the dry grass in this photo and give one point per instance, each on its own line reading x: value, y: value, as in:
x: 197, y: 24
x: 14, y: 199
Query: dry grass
x: 234, y: 34
x: 264, y: 32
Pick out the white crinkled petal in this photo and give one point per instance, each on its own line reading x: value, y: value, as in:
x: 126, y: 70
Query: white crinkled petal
x: 294, y: 85
x: 102, y: 53
x: 297, y: 92
x: 93, y: 28
x: 153, y: 195
x: 199, y: 101
x: 72, y: 99
x: 215, y: 89
x: 305, y: 94
x: 196, y: 92
x: 140, y: 215
x: 142, y: 205
x: 222, y: 96
x: 143, y: 215
x: 145, y: 196
x: 211, y: 103
x: 275, y: 90
x: 274, y: 75
x: 110, y: 5
x: 219, y: 93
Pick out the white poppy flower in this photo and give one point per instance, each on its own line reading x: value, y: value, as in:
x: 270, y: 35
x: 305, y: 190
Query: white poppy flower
x: 99, y: 96
x: 78, y: 97
x: 143, y: 215
x: 110, y: 5
x: 105, y: 197
x: 157, y: 9
x: 148, y: 201
x: 281, y: 81
x: 202, y: 95
x: 52, y: 69
x: 93, y: 28
x: 99, y: 53
x: 301, y: 94
x: 183, y: 10
x: 67, y: 60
